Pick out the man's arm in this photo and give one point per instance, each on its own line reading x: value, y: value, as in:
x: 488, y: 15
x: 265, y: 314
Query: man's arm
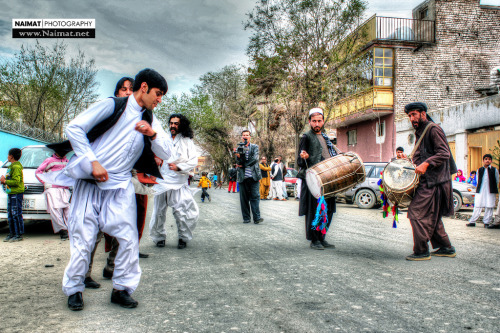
x: 441, y: 151
x: 41, y: 169
x: 192, y: 157
x: 303, y: 147
x: 161, y: 144
x: 262, y: 167
x: 253, y: 157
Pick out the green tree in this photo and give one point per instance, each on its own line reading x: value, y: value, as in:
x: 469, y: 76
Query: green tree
x: 46, y: 87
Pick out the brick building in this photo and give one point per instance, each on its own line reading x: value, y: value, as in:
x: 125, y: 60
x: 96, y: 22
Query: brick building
x: 441, y: 57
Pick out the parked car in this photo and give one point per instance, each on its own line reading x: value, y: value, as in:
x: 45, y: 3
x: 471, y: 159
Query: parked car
x: 34, y: 204
x: 291, y: 181
x: 367, y: 194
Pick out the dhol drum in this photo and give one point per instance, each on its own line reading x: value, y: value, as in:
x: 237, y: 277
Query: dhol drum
x: 335, y: 175
x: 400, y: 182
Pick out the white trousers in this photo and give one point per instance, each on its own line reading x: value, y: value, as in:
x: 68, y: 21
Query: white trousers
x: 58, y: 207
x: 185, y: 212
x: 277, y: 189
x: 488, y: 214
x: 298, y: 187
x: 112, y: 212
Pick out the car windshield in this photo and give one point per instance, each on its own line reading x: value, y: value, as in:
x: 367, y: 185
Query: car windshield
x: 291, y: 173
x: 32, y: 157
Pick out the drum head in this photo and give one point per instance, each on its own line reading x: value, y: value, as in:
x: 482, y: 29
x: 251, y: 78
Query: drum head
x: 314, y: 183
x: 399, y: 174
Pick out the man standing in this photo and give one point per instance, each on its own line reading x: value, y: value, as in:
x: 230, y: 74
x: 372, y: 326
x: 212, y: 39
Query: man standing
x: 248, y: 176
x: 277, y: 177
x: 400, y: 153
x: 265, y: 181
x: 232, y: 179
x: 314, y: 147
x: 434, y: 197
x: 109, y: 139
x: 486, y: 191
x: 177, y: 195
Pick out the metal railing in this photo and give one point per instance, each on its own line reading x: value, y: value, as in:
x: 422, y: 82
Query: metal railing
x: 400, y: 29
x: 18, y: 127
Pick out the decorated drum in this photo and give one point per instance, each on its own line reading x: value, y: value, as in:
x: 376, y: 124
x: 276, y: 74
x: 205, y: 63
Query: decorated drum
x: 400, y: 182
x: 335, y: 175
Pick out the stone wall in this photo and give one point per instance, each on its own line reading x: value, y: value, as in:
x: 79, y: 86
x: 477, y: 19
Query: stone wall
x: 447, y: 73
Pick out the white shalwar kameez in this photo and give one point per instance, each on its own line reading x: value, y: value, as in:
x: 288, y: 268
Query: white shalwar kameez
x: 174, y: 192
x: 484, y: 199
x: 277, y: 185
x: 107, y: 206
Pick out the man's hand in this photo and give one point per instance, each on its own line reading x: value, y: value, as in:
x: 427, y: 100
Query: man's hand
x: 98, y: 172
x: 144, y: 128
x: 422, y: 168
x: 2, y: 179
x: 173, y: 166
x: 304, y: 154
x: 239, y: 166
x: 158, y: 161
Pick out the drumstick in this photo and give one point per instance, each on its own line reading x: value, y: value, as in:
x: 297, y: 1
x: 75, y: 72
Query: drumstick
x: 404, y: 167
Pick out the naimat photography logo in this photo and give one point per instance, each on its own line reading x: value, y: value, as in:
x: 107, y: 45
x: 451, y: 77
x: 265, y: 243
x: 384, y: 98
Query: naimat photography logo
x: 53, y: 28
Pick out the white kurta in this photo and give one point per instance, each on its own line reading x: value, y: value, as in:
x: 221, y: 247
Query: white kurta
x: 174, y: 191
x: 485, y: 199
x: 109, y: 206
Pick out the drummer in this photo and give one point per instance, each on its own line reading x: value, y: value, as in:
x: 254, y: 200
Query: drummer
x: 314, y: 147
x: 434, y: 197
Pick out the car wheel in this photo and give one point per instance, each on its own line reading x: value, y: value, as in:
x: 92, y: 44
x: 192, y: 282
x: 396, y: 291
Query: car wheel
x: 365, y: 199
x: 457, y: 201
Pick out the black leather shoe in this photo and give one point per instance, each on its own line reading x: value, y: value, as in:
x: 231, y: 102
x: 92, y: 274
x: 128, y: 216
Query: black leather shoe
x: 160, y: 243
x: 494, y: 226
x: 182, y: 244
x: 419, y: 256
x: 445, y: 252
x: 63, y: 234
x: 326, y: 244
x: 316, y: 245
x: 143, y: 255
x: 471, y: 224
x: 107, y: 274
x: 259, y: 221
x: 246, y: 221
x: 90, y: 283
x: 75, y: 302
x: 122, y: 298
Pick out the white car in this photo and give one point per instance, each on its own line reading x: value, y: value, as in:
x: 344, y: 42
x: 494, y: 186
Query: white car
x: 34, y: 204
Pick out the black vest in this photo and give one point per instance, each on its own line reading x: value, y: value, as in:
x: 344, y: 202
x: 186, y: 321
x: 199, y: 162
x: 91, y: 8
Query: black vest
x: 263, y: 172
x: 146, y: 163
x: 491, y: 177
x: 314, y: 151
x: 442, y: 173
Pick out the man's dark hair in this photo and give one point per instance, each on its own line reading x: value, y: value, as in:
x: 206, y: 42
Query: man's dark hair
x: 153, y: 80
x: 246, y: 131
x: 401, y: 149
x: 184, y: 126
x: 488, y: 155
x: 15, y: 153
x: 121, y: 82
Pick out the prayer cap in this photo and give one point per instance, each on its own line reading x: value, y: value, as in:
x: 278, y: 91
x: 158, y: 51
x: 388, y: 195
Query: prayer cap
x: 316, y: 110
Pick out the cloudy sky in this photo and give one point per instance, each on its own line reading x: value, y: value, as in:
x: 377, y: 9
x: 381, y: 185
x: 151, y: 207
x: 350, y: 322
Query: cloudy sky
x: 182, y: 39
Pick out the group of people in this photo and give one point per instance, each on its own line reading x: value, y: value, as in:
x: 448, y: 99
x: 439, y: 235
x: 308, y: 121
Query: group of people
x: 459, y: 177
x: 118, y: 135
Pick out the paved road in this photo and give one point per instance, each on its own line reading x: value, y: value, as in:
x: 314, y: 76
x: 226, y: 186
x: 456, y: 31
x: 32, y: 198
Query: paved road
x: 236, y: 277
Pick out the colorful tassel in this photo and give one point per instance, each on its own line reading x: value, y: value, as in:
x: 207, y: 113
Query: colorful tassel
x: 320, y: 222
x: 386, y: 208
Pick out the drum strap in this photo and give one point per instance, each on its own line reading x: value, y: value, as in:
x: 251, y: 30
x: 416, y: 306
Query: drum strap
x: 420, y: 140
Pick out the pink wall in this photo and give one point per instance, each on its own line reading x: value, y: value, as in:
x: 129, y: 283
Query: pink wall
x: 366, y: 146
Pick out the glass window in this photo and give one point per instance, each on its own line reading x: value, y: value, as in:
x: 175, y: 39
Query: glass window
x: 387, y: 53
x: 351, y: 138
x: 368, y: 169
x: 382, y: 69
x: 378, y: 169
x: 388, y: 72
x: 379, y: 52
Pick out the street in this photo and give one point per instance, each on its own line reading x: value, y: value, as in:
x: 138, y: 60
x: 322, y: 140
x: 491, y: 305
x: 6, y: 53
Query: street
x: 236, y: 277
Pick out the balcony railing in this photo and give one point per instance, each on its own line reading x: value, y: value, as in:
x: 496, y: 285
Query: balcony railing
x: 373, y: 98
x: 379, y: 28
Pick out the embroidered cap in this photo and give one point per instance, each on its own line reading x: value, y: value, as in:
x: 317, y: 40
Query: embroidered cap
x: 316, y: 110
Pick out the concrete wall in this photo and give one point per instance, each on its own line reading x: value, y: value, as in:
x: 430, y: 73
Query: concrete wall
x: 368, y: 146
x: 447, y: 73
x: 10, y: 140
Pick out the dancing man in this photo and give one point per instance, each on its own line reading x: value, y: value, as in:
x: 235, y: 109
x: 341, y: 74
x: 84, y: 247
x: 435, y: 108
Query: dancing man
x: 433, y: 198
x: 314, y: 147
x: 177, y: 195
x: 111, y: 138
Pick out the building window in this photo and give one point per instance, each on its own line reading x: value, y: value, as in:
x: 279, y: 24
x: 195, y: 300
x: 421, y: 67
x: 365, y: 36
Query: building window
x: 351, y: 138
x: 381, y: 128
x: 423, y: 13
x: 383, y: 67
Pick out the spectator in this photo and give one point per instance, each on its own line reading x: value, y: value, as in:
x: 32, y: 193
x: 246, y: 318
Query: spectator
x: 472, y: 178
x: 400, y: 153
x: 232, y: 179
x: 459, y: 177
x: 277, y: 176
x: 265, y: 182
x: 205, y: 184
x: 14, y: 187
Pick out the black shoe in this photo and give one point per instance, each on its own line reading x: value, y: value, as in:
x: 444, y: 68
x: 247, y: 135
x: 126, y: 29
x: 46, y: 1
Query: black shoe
x: 63, y: 234
x: 494, y: 226
x: 326, y: 244
x: 471, y: 224
x: 259, y: 221
x: 419, y: 257
x: 90, y: 283
x: 246, y: 221
x: 182, y: 244
x: 122, y: 298
x: 485, y: 225
x: 160, y: 243
x: 107, y: 274
x: 75, y: 302
x: 445, y: 252
x: 316, y: 245
x: 143, y: 255
x: 8, y: 238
